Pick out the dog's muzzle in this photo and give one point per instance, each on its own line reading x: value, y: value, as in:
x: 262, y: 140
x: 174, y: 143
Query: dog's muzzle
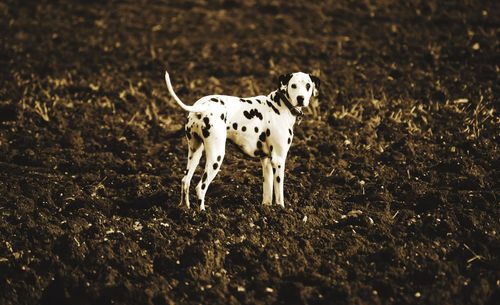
x: 300, y: 100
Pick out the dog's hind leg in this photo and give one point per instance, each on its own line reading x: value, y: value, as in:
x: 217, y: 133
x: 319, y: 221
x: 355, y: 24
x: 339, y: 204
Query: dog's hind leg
x: 194, y: 156
x: 214, y: 152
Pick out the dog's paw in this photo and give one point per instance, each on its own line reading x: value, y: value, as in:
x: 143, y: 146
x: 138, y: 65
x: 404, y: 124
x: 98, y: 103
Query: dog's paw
x: 182, y: 204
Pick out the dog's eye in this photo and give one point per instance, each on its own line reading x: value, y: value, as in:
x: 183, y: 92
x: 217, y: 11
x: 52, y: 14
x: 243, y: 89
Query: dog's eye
x: 308, y: 86
x: 294, y: 86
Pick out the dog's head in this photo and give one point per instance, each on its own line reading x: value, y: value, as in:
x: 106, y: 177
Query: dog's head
x: 299, y: 87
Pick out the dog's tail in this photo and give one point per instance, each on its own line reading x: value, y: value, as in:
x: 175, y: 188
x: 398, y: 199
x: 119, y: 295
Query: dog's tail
x: 194, y: 108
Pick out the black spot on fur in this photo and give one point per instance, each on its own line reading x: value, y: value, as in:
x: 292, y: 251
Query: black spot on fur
x: 289, y: 131
x: 235, y: 126
x: 243, y: 128
x: 278, y: 179
x: 198, y: 116
x: 227, y: 128
x: 289, y: 140
x: 216, y: 100
x: 256, y: 129
x: 259, y: 144
x: 205, y: 130
x: 245, y: 101
x: 274, y: 170
x: 222, y: 116
x: 258, y: 101
x: 272, y: 107
x: 203, y: 186
x: 218, y: 158
x: 268, y: 132
x: 204, y: 178
x: 262, y: 136
x: 259, y: 153
x: 271, y: 148
x: 216, y: 165
x: 252, y: 113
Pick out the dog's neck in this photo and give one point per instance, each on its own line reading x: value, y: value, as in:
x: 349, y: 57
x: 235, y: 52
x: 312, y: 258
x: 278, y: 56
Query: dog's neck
x: 279, y: 97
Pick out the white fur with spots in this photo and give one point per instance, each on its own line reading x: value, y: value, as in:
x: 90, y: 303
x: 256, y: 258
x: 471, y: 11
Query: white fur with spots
x: 262, y: 126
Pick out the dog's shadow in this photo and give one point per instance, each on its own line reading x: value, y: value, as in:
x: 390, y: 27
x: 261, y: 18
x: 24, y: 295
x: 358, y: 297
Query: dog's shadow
x: 159, y: 199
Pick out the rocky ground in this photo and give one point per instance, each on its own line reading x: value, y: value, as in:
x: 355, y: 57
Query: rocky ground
x: 392, y: 182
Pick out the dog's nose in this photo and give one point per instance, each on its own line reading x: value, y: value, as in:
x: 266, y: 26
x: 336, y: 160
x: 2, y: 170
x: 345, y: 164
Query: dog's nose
x: 300, y: 99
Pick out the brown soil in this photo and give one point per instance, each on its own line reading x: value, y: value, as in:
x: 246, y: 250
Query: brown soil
x: 392, y: 188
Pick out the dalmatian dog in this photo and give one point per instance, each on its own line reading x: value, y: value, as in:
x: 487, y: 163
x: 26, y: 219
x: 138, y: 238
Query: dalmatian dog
x: 261, y: 126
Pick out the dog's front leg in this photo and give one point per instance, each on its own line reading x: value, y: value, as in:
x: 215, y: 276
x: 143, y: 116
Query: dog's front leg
x: 267, y: 186
x: 278, y: 165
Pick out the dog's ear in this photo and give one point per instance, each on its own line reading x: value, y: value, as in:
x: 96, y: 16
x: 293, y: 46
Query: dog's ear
x: 317, y: 83
x: 283, y: 81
